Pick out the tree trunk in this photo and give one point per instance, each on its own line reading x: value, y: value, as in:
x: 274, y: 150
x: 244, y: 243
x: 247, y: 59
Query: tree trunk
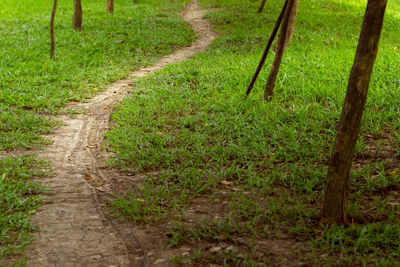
x: 77, y: 19
x: 266, y: 50
x: 292, y: 23
x: 261, y: 8
x: 284, y: 38
x: 110, y: 6
x: 52, y: 41
x: 334, y: 208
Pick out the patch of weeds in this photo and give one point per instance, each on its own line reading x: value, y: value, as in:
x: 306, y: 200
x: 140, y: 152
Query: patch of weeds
x: 194, y: 256
x: 216, y: 230
x: 19, y: 198
x: 378, y: 242
x: 153, y: 200
x: 22, y: 129
x: 373, y: 179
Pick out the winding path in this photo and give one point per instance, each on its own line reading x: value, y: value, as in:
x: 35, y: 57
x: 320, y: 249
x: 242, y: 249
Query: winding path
x: 73, y: 228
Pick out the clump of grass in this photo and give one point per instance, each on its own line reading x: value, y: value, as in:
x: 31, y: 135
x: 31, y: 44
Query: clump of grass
x: 377, y: 242
x: 22, y: 129
x: 19, y: 198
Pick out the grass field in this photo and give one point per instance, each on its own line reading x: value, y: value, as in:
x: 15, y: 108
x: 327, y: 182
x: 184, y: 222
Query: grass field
x: 107, y: 49
x: 32, y: 86
x: 255, y: 170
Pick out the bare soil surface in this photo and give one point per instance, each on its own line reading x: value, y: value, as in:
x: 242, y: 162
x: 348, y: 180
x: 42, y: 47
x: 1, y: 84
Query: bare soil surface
x: 76, y: 229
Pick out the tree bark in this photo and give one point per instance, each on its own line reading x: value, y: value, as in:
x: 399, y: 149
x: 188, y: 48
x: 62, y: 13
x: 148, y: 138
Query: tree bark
x: 266, y: 50
x: 110, y: 6
x: 52, y: 41
x: 261, y: 8
x: 77, y: 19
x: 334, y: 208
x: 283, y: 41
x: 292, y: 24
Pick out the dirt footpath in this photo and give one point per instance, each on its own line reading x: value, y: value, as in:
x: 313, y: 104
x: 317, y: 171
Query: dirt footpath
x: 73, y: 228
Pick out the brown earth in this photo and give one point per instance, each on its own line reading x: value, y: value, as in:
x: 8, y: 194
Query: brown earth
x: 75, y: 227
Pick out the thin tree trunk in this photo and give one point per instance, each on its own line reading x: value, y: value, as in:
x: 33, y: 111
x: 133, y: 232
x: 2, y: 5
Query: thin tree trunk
x: 77, y: 19
x: 292, y: 24
x: 110, y: 6
x: 283, y: 41
x: 262, y: 5
x: 266, y: 50
x: 52, y: 41
x: 334, y: 208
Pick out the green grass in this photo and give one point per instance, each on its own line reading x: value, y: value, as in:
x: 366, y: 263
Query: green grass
x: 107, y: 49
x: 264, y: 163
x: 22, y: 129
x: 19, y: 198
x: 372, y: 243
